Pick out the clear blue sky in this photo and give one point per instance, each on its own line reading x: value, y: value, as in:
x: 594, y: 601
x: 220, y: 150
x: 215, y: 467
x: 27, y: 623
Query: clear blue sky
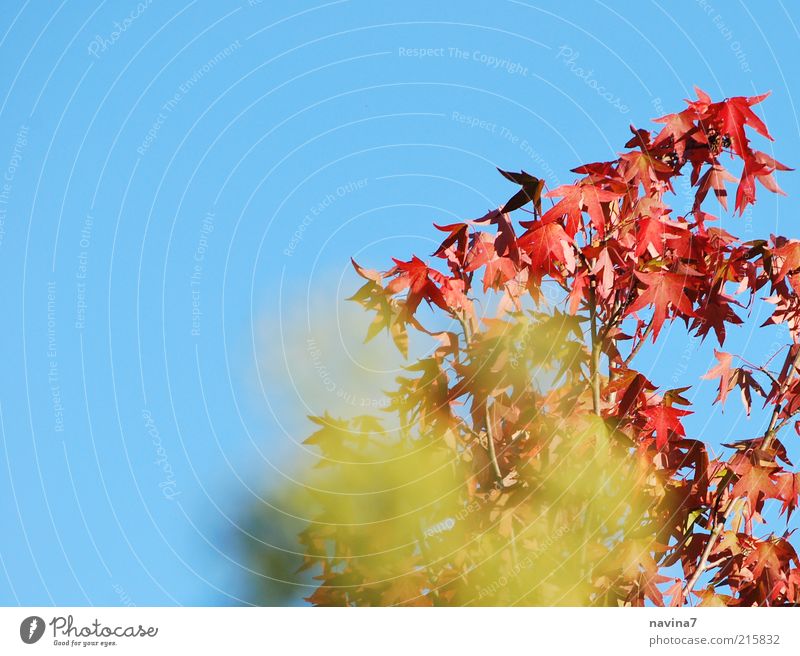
x: 184, y: 184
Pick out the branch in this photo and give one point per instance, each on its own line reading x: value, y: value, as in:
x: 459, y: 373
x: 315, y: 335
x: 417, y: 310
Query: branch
x: 464, y: 321
x: 759, y: 368
x: 490, y: 442
x: 769, y: 436
x: 712, y: 539
x: 594, y: 365
x: 772, y: 428
x: 639, y: 344
x: 594, y: 370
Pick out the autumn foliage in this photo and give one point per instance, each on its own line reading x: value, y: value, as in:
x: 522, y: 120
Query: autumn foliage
x: 524, y: 459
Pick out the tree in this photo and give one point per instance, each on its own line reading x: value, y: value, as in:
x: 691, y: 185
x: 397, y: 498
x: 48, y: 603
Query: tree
x: 524, y: 460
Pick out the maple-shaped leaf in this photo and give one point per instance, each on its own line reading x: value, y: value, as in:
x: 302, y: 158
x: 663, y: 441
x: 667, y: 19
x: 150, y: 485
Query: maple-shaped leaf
x: 677, y: 127
x: 747, y: 384
x: 505, y: 244
x: 722, y: 371
x: 664, y: 290
x: 746, y: 191
x: 787, y: 310
x: 773, y: 555
x: 414, y: 276
x: 388, y: 312
x: 664, y: 419
x: 734, y: 114
x: 368, y: 274
x: 714, y: 313
x: 531, y: 191
x: 654, y: 235
x: 603, y: 271
x: 339, y: 439
x: 675, y: 593
x: 787, y: 490
x: 497, y: 270
x: 547, y: 243
x: 632, y: 388
x: 426, y: 397
x: 714, y: 178
x: 577, y: 292
x: 787, y: 257
x: 755, y: 483
x: 649, y: 583
x: 481, y: 251
x: 765, y: 171
x: 643, y: 169
x: 759, y: 166
x: 454, y: 247
x: 454, y: 292
x: 575, y: 199
x: 640, y: 138
x: 569, y: 208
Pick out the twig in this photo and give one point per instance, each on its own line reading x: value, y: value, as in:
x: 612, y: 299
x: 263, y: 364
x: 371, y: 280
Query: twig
x: 761, y: 369
x: 712, y: 539
x: 771, y: 432
x: 639, y: 344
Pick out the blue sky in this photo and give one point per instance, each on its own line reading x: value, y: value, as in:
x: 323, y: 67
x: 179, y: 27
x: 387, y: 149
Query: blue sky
x: 184, y: 186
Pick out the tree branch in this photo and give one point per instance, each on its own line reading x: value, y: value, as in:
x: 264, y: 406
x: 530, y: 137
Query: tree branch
x: 464, y: 321
x: 772, y: 430
x: 769, y: 437
x: 594, y: 365
x: 712, y: 539
x: 639, y: 344
x: 490, y: 442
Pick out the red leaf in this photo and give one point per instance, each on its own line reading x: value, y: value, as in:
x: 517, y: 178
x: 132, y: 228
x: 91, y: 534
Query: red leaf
x: 714, y: 178
x: 755, y: 482
x: 787, y: 490
x: 548, y: 242
x: 788, y: 257
x: 414, y: 276
x: 663, y: 290
x: 454, y: 247
x: 723, y: 372
x: 734, y: 114
x: 675, y: 593
x: 531, y: 191
x: 664, y: 420
x: 369, y: 274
